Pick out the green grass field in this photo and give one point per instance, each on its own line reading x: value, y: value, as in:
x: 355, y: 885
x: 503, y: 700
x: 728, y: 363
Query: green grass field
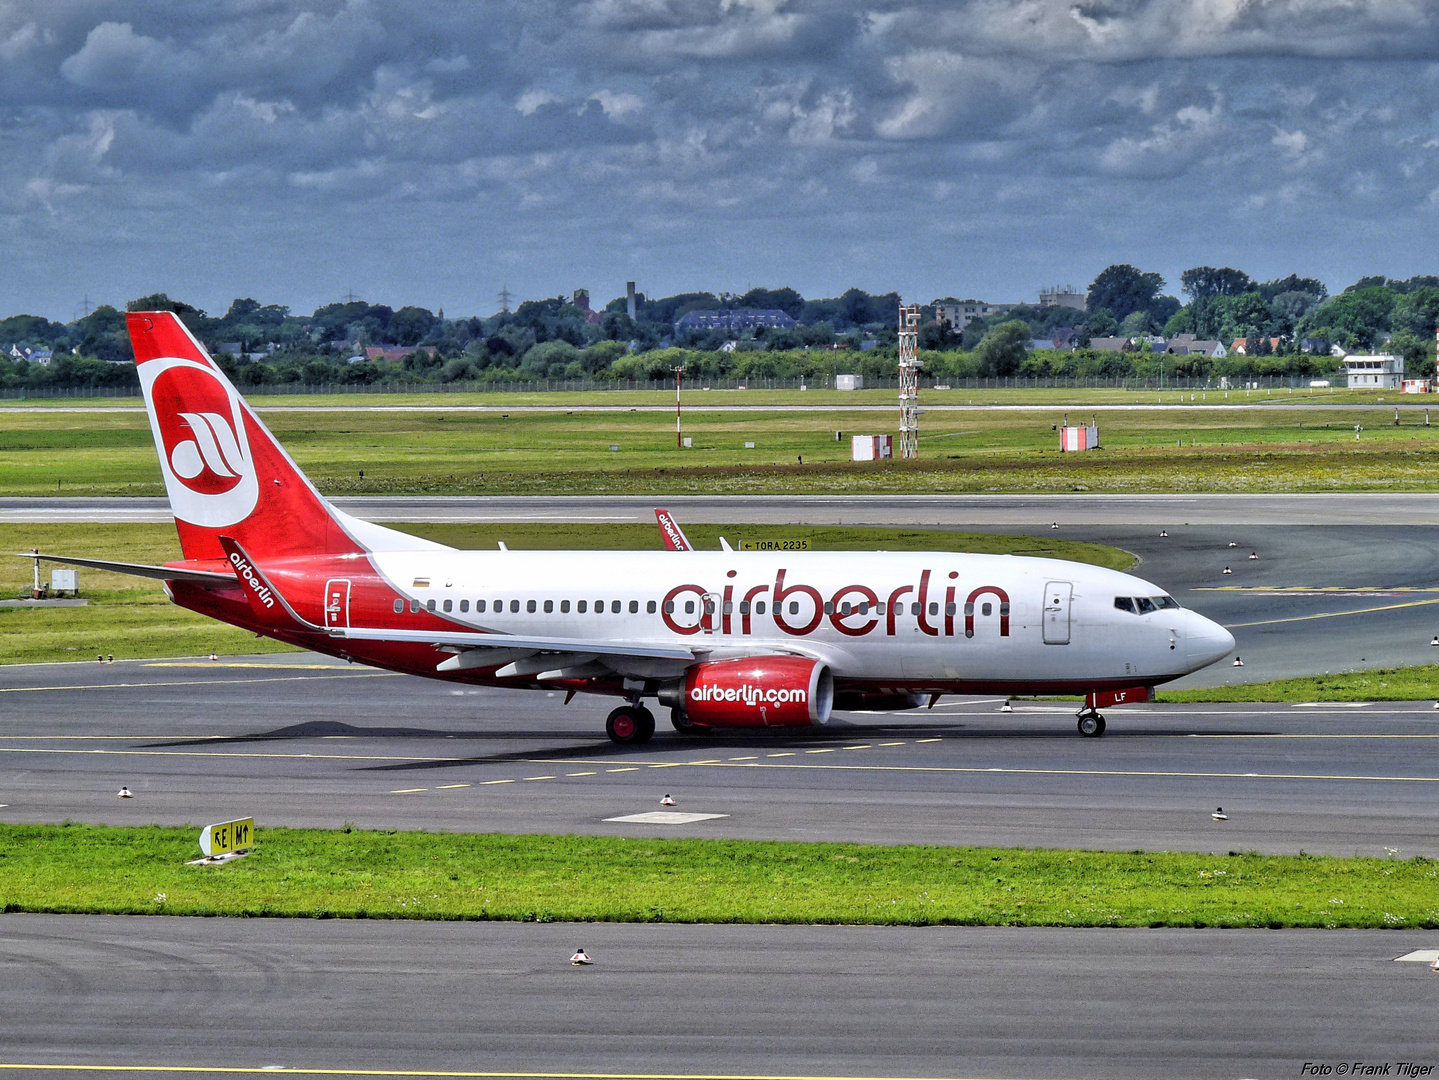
x: 409, y: 875
x: 1277, y: 449
x: 696, y: 395
x: 1417, y: 683
x: 132, y: 618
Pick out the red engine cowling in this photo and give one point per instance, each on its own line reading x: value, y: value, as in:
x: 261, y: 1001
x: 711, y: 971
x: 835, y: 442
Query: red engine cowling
x: 759, y: 691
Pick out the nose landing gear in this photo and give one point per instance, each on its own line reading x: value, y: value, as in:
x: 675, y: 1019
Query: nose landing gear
x: 1091, y: 724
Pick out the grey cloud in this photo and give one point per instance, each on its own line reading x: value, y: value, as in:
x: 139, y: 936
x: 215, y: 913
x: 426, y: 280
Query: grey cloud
x: 748, y: 140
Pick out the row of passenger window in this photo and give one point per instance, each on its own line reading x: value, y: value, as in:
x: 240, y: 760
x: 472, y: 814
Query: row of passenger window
x: 531, y: 606
x: 1143, y: 605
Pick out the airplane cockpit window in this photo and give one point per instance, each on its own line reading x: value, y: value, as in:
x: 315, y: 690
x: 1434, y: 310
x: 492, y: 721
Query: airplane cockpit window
x: 1146, y: 605
x: 1124, y: 603
x: 1166, y: 602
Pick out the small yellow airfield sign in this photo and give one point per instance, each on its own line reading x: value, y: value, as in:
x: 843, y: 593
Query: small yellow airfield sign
x: 227, y: 836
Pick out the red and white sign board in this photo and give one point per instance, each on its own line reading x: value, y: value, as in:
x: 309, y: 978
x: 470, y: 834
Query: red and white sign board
x: 871, y: 447
x: 1415, y: 386
x: 1078, y: 438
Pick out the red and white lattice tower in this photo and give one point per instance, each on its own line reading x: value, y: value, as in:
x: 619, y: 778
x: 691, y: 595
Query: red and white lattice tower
x: 1436, y: 360
x: 909, y: 381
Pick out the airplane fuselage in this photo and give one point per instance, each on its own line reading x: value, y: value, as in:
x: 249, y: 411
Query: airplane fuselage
x: 935, y: 622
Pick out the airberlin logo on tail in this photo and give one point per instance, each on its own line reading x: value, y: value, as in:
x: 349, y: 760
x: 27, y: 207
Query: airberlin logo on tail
x: 252, y: 579
x: 200, y: 434
x: 213, y: 447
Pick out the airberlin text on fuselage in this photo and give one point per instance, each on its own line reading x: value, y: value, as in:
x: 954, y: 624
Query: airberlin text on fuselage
x: 853, y: 610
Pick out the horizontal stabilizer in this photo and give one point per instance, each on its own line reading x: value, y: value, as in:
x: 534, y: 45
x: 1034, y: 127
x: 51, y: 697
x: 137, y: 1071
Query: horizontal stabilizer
x: 160, y: 573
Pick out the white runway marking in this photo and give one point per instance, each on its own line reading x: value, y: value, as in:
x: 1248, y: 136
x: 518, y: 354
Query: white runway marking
x: 665, y: 817
x: 1424, y: 956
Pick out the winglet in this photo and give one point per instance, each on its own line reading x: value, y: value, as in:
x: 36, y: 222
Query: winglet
x: 674, y: 537
x: 265, y: 600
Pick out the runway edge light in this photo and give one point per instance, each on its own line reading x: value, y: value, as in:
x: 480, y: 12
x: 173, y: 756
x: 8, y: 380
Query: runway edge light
x: 227, y: 837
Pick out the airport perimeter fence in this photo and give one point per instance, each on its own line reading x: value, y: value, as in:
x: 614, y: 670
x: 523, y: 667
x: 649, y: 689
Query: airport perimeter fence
x: 542, y: 386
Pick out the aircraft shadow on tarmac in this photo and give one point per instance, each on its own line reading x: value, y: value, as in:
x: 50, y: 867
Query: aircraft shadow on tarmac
x: 597, y: 748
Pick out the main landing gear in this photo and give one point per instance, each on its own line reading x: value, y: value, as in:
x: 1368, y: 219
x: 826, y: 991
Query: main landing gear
x: 1091, y: 724
x: 684, y: 725
x: 630, y: 724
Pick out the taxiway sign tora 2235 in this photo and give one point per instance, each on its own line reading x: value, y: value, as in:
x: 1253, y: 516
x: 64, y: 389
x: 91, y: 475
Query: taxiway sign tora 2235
x: 723, y: 639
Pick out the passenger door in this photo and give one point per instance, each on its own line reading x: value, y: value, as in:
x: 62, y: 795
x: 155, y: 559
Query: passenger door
x: 1057, y: 597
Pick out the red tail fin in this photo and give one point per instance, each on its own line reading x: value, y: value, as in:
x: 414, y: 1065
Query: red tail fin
x: 223, y: 470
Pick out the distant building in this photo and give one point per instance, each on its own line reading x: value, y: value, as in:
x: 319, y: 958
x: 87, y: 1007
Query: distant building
x: 582, y: 301
x: 35, y: 356
x: 735, y: 319
x: 1381, y: 371
x: 1110, y: 344
x: 961, y: 313
x: 1189, y: 345
x: 1065, y: 297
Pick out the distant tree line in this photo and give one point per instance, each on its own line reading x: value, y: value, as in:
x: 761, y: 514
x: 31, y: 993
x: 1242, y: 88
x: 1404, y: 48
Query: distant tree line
x: 1291, y: 324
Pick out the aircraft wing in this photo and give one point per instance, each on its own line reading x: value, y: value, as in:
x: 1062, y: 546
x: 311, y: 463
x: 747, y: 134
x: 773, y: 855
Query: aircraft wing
x: 162, y: 573
x: 465, y: 640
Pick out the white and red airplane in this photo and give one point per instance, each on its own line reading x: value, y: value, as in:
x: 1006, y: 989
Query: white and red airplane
x: 724, y: 639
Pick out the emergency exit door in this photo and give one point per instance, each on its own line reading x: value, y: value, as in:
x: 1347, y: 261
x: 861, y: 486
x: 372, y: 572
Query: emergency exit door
x: 1057, y: 596
x: 337, y: 602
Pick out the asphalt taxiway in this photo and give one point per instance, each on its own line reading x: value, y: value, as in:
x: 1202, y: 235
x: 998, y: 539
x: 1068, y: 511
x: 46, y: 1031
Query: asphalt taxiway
x: 1371, y: 509
x: 117, y: 996
x: 297, y: 741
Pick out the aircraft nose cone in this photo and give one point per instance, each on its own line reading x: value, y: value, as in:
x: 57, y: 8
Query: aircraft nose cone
x: 1208, y: 642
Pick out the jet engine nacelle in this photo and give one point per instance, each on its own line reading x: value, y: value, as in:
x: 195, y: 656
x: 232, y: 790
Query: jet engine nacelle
x: 757, y: 691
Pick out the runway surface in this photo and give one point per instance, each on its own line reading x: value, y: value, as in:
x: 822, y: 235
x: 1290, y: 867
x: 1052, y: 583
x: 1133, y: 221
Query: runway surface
x: 295, y: 742
x: 1160, y: 511
x: 110, y: 993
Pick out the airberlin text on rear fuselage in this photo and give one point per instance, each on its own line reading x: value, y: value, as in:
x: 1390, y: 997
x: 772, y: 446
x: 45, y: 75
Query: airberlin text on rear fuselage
x: 854, y: 610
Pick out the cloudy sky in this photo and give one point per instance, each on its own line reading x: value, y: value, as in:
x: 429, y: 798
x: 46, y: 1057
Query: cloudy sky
x: 432, y: 153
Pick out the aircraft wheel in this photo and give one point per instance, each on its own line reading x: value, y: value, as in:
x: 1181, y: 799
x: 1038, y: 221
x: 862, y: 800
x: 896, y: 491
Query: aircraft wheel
x: 1091, y: 725
x: 684, y: 725
x: 647, y: 723
x: 626, y: 725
